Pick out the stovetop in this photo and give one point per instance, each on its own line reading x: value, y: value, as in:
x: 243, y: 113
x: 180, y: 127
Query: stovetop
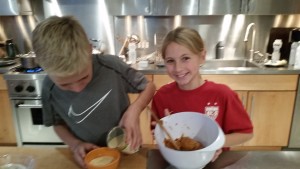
x: 19, y: 73
x: 25, y: 83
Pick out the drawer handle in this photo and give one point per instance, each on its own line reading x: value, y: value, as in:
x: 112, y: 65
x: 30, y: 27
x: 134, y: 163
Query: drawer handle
x: 22, y: 105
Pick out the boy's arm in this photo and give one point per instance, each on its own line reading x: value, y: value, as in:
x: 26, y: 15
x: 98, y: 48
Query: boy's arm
x: 78, y: 147
x: 130, y: 120
x: 144, y: 97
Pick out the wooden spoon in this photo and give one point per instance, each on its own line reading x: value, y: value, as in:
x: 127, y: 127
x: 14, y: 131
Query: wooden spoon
x: 159, y: 122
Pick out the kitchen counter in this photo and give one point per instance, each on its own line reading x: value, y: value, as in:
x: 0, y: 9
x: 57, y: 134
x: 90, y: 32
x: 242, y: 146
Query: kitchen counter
x: 62, y: 158
x: 153, y: 69
x: 149, y: 157
x: 4, y: 69
x: 239, y: 160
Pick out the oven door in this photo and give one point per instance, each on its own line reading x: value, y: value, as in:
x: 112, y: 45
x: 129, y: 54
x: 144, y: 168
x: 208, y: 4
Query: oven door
x: 29, y: 118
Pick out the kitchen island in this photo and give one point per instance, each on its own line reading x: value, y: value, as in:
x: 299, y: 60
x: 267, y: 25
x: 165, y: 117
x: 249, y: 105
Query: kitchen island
x: 150, y: 158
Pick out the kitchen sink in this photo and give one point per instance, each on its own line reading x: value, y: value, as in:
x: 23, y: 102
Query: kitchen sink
x: 212, y: 64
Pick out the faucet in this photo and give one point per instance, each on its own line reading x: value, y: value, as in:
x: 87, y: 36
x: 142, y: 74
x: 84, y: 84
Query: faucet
x: 251, y: 25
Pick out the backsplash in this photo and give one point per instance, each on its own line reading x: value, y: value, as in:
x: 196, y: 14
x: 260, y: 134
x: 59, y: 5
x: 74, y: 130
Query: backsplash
x: 227, y: 28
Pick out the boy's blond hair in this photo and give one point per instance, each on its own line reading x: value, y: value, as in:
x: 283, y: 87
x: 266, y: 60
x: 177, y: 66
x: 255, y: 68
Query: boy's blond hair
x: 186, y: 37
x: 61, y: 46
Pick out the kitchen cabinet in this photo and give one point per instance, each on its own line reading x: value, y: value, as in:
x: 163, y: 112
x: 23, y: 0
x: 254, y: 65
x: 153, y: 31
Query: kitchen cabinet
x: 145, y: 120
x: 7, y: 131
x: 270, y: 7
x: 269, y: 100
x: 129, y: 7
x: 180, y: 7
x: 219, y: 7
x: 152, y: 7
x: 201, y: 7
x: 271, y: 113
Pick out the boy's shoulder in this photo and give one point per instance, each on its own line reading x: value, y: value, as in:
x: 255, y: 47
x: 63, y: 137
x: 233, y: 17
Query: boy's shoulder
x: 107, y: 58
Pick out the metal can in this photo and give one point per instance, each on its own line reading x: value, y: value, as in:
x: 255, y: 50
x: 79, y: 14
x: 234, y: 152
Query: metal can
x: 116, y: 138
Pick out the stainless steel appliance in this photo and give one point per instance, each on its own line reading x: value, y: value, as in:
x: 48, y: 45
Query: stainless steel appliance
x: 24, y: 88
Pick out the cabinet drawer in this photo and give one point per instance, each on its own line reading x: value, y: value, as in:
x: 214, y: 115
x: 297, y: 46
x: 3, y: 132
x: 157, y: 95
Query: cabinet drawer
x: 244, y: 82
x: 2, y: 83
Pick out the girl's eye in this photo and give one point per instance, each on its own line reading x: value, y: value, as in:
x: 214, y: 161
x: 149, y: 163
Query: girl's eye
x: 186, y: 58
x: 169, y: 61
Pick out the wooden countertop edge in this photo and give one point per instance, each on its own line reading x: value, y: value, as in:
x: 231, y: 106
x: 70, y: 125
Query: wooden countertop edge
x: 62, y: 157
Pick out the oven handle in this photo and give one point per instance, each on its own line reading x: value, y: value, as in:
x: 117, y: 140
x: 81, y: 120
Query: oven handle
x: 22, y: 105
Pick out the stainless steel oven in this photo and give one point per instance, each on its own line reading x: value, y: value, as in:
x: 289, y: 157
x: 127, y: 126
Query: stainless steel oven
x: 24, y: 88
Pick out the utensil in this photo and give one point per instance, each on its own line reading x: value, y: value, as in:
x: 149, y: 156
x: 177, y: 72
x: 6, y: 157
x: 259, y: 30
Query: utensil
x: 163, y: 128
x: 28, y: 60
x: 7, y: 61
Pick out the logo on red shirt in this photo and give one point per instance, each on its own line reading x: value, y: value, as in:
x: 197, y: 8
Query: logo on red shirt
x: 212, y: 110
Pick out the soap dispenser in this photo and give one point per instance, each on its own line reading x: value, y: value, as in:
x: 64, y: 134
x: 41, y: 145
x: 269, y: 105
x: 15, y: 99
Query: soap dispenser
x: 277, y: 44
x: 132, y: 52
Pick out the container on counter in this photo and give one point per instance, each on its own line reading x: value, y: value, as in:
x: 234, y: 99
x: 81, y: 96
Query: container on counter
x: 116, y: 138
x: 293, y: 53
x: 277, y: 44
x: 132, y: 52
x: 297, y: 57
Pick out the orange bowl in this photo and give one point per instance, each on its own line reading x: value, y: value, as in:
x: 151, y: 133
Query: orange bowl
x: 103, y: 158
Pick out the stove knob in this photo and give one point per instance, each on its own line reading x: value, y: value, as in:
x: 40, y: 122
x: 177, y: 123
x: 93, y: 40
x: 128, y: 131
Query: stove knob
x: 18, y: 88
x: 30, y: 88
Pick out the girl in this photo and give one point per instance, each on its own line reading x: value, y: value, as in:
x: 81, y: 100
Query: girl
x: 183, y: 52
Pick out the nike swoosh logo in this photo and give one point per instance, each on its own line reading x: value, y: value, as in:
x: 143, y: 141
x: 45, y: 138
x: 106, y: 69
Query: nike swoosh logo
x: 88, y: 111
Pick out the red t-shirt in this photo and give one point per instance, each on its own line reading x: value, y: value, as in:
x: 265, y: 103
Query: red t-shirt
x: 215, y: 100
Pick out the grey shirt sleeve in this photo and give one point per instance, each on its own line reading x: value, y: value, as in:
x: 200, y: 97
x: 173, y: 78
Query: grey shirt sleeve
x: 134, y: 80
x: 49, y: 116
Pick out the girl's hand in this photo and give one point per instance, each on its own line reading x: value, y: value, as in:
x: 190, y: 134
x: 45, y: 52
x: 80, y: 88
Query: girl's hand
x: 217, y: 154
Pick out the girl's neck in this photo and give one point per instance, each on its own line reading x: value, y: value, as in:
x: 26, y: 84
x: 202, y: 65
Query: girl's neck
x: 194, y: 85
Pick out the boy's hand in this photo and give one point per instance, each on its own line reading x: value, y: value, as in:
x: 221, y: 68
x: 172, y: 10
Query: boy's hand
x: 131, y: 123
x: 80, y: 151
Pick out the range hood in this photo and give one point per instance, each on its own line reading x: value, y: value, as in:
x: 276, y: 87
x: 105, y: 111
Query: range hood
x: 15, y: 7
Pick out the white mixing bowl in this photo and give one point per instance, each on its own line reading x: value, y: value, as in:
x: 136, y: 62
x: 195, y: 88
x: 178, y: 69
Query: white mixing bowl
x: 196, y: 126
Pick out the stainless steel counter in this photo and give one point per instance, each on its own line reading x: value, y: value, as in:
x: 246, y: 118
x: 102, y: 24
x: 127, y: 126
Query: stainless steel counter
x: 153, y: 69
x: 238, y: 160
x: 4, y: 69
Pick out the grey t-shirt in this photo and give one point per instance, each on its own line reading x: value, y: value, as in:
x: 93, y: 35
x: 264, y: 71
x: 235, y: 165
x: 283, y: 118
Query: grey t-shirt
x: 91, y: 113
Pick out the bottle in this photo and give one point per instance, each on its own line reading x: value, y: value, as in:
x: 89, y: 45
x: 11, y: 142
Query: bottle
x: 277, y: 44
x: 297, y: 57
x: 220, y: 50
x: 132, y: 53
x: 293, y: 53
x: 11, y: 49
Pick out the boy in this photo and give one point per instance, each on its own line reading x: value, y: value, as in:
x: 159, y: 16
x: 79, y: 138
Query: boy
x: 85, y: 95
